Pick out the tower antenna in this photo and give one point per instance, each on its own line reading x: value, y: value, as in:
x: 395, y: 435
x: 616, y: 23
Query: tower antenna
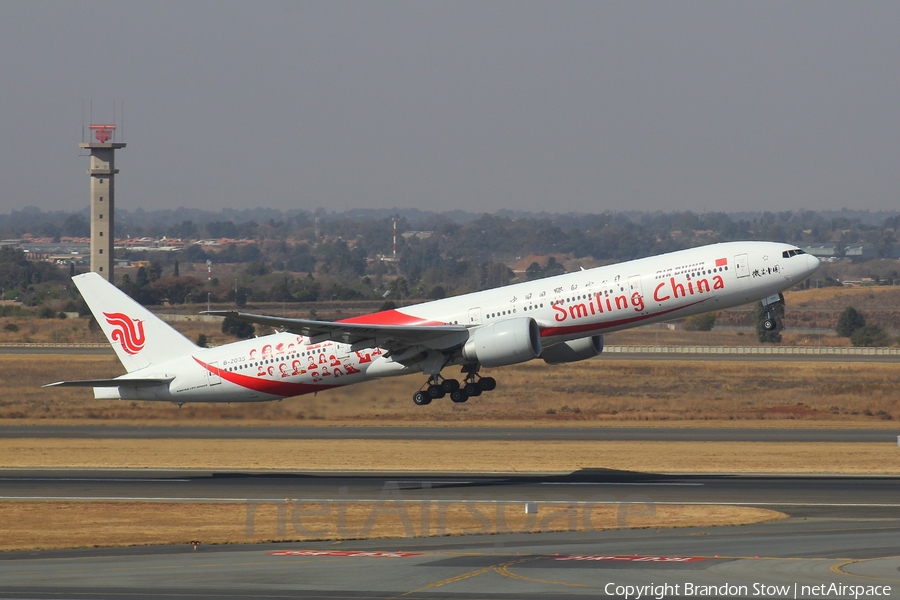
x: 395, y: 237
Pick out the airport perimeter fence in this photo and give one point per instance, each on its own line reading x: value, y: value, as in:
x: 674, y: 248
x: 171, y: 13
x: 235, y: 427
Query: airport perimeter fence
x: 738, y: 350
x: 619, y: 349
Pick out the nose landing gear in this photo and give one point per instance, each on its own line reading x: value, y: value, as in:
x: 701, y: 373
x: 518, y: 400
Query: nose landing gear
x: 770, y: 304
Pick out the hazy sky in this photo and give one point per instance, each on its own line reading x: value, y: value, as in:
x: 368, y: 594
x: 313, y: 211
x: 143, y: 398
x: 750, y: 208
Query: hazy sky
x: 560, y: 106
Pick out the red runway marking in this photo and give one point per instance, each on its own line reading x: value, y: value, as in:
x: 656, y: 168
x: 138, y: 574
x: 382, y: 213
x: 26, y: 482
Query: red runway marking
x: 344, y: 553
x: 600, y: 557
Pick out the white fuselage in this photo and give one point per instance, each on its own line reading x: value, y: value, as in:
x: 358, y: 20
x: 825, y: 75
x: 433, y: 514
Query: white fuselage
x: 566, y: 307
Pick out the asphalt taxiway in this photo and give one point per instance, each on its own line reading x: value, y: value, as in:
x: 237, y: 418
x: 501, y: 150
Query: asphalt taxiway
x: 841, y: 530
x: 510, y: 566
x: 278, y: 432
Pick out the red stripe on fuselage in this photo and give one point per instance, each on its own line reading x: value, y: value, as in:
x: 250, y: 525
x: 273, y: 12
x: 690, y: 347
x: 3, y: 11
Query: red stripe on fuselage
x: 389, y: 317
x: 570, y: 329
x: 285, y: 389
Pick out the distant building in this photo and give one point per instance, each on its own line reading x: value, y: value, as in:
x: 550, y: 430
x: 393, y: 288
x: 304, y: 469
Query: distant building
x: 821, y: 250
x: 860, y: 251
x: 421, y: 235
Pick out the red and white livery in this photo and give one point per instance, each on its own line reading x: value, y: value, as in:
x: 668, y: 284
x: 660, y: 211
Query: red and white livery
x: 559, y: 319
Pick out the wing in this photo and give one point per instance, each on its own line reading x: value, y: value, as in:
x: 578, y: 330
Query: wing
x: 361, y: 335
x: 111, y: 383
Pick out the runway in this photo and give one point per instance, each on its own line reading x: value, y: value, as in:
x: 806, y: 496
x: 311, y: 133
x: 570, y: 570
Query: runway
x: 841, y: 530
x: 807, y: 495
x: 277, y: 432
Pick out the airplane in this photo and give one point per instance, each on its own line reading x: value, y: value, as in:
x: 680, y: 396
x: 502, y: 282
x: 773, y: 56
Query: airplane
x: 559, y: 319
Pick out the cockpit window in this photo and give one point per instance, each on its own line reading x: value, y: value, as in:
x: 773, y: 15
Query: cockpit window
x: 790, y: 253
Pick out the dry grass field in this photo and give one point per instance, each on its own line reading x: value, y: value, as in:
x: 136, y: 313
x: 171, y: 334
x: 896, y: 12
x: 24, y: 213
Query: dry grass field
x: 593, y: 392
x: 48, y: 525
x: 451, y: 456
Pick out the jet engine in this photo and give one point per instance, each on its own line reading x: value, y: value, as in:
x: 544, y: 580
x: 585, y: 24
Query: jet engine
x: 573, y: 350
x: 504, y: 343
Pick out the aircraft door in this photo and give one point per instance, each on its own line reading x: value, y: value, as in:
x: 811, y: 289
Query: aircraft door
x: 213, y: 378
x: 634, y: 285
x: 636, y: 293
x: 475, y: 316
x: 741, y: 265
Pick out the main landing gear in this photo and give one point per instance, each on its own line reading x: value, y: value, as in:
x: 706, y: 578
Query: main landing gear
x: 438, y: 387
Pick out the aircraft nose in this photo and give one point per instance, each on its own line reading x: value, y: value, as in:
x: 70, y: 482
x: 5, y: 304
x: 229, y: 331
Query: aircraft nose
x: 812, y: 263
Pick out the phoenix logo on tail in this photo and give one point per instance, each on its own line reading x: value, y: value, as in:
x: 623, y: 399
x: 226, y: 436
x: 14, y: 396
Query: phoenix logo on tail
x: 128, y: 332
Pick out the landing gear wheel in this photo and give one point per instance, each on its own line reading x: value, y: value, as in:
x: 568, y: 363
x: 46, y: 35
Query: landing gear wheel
x: 487, y: 383
x: 459, y: 396
x: 449, y: 385
x: 769, y: 324
x: 472, y: 389
x: 434, y: 391
x: 421, y: 399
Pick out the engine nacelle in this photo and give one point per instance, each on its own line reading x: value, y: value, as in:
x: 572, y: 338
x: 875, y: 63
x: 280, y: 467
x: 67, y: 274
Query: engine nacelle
x: 504, y: 343
x: 573, y: 350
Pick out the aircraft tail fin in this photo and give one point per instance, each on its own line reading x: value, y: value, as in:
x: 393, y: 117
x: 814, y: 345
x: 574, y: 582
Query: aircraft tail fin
x: 139, y: 337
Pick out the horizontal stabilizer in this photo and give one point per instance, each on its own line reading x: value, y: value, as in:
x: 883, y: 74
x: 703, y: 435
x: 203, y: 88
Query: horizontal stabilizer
x: 135, y: 383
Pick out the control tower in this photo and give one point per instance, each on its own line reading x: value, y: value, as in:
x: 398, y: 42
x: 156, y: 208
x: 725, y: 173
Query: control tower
x: 103, y: 173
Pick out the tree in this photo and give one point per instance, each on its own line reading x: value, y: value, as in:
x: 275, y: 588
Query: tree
x: 76, y: 225
x: 177, y: 290
x: 239, y: 329
x: 203, y: 340
x: 849, y: 321
x: 175, y: 272
x: 221, y: 229
x: 534, y: 271
x: 762, y: 334
x: 870, y: 336
x: 553, y: 268
x: 155, y: 271
x: 241, y: 294
x: 704, y: 322
x: 140, y: 278
x: 399, y: 288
